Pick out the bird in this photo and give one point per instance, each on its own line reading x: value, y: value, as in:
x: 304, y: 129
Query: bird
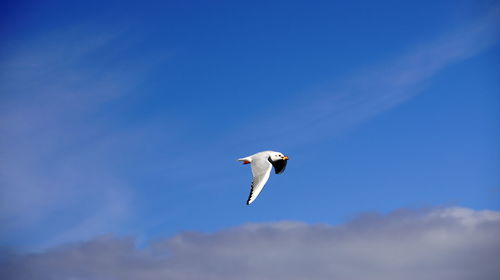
x: 262, y: 163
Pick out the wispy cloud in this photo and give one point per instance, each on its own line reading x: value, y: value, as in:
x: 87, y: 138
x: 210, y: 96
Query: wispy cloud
x: 448, y: 243
x: 329, y: 110
x: 57, y: 158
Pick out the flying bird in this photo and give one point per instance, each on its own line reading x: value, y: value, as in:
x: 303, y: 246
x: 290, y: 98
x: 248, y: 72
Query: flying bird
x: 262, y: 163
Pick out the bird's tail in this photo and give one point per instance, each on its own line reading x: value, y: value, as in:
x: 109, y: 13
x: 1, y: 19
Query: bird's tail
x: 245, y: 160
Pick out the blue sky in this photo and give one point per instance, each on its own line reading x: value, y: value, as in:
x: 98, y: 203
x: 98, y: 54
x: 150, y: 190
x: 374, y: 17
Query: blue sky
x: 126, y: 118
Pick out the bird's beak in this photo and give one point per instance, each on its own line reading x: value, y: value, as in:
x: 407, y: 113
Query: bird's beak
x: 285, y: 158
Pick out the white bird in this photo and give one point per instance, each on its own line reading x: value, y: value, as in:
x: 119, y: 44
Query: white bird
x: 262, y: 163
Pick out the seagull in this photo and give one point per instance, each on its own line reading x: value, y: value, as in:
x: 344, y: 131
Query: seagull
x: 262, y: 163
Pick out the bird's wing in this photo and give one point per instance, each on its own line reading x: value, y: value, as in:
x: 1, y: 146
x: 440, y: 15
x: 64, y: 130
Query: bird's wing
x: 261, y: 169
x: 279, y: 165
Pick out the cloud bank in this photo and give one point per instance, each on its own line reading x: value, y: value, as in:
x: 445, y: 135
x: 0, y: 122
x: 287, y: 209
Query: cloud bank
x: 446, y: 243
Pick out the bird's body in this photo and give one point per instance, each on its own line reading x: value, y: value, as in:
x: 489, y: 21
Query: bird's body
x: 262, y: 163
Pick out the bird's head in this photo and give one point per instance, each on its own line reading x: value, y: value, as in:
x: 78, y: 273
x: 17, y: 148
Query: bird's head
x: 275, y: 156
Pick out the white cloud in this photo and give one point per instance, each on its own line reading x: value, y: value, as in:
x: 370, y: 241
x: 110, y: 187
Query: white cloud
x: 441, y: 244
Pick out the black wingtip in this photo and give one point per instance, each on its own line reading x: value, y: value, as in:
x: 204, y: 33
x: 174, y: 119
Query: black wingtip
x: 250, y: 195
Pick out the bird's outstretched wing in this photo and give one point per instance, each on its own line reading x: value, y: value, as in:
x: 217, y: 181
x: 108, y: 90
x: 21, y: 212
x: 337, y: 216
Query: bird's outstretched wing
x: 261, y: 169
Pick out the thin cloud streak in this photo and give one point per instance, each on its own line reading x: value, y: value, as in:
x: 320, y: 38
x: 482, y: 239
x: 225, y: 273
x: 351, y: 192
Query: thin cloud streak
x: 331, y: 111
x: 57, y: 158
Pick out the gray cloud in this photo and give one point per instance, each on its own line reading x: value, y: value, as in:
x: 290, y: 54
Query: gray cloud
x: 447, y: 243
